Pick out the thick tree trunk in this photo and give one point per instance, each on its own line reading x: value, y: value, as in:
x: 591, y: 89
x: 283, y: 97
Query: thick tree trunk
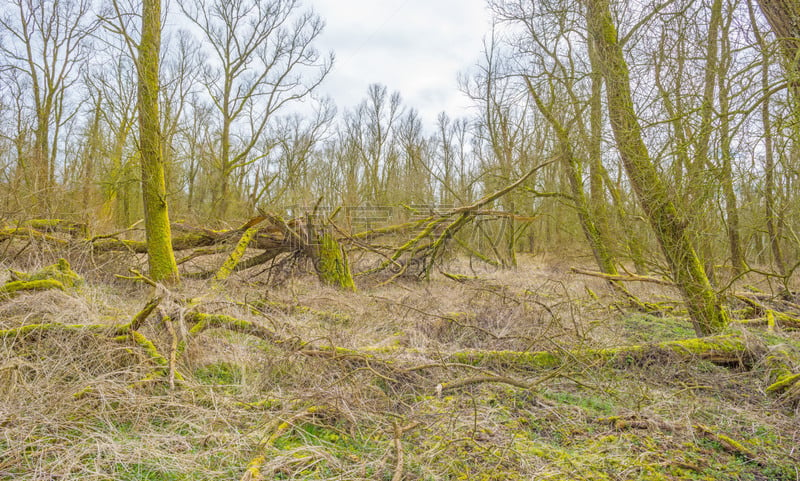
x: 156, y: 216
x: 669, y: 225
x: 331, y: 263
x: 784, y: 18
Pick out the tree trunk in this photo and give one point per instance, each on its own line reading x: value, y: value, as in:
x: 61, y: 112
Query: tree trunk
x: 784, y: 18
x: 668, y: 223
x: 330, y: 261
x: 772, y: 211
x: 156, y: 216
x: 731, y: 210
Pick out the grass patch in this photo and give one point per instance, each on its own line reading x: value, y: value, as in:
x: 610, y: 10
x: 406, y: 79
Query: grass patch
x: 644, y: 328
x: 221, y: 373
x: 145, y: 472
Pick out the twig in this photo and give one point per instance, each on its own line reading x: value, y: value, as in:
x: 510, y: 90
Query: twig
x: 139, y: 277
x: 398, y: 447
x: 173, y: 350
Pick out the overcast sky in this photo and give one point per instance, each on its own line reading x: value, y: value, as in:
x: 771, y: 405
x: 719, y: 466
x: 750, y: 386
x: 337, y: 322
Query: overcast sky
x: 416, y: 47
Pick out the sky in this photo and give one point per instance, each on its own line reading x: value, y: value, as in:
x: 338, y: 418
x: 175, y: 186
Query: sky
x: 416, y: 47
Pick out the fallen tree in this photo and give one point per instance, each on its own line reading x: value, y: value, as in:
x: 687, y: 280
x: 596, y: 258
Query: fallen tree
x: 323, y: 243
x: 57, y: 276
x: 268, y: 234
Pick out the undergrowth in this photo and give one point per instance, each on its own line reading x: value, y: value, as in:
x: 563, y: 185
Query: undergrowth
x: 73, y: 405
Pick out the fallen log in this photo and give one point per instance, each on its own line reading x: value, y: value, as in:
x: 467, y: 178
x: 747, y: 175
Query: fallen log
x: 56, y: 276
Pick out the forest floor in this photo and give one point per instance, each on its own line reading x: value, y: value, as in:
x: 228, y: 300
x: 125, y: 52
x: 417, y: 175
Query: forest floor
x: 378, y: 397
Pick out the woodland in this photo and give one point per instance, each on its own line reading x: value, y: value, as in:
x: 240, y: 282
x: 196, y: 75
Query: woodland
x: 210, y: 271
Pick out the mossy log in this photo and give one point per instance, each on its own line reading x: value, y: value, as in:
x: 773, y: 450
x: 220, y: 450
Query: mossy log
x: 31, y: 233
x: 37, y: 330
x: 15, y: 287
x: 267, y: 237
x: 56, y: 276
x: 727, y: 350
x: 235, y: 256
x: 201, y: 322
x: 74, y: 229
x: 783, y: 376
x: 124, y: 332
x: 60, y: 271
x: 623, y: 278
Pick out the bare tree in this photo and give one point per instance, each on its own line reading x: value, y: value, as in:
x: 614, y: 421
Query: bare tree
x: 262, y: 59
x: 46, y: 43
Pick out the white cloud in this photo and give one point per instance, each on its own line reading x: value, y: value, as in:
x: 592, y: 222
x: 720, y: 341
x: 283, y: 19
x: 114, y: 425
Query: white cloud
x: 417, y: 47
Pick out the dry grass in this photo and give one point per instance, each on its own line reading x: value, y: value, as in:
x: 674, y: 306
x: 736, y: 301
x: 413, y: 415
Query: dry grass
x: 337, y: 417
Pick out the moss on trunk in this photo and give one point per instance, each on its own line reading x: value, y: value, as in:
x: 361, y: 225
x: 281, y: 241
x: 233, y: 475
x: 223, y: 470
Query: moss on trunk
x: 331, y: 263
x: 154, y: 193
x: 668, y: 223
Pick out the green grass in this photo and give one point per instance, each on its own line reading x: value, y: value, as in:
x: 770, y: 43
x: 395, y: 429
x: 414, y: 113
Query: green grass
x: 145, y: 472
x: 644, y: 328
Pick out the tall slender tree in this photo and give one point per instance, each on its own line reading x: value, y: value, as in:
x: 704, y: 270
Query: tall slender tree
x: 154, y: 192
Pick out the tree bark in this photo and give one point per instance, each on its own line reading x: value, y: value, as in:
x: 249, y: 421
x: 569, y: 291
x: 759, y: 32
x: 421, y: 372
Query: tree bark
x: 784, y: 18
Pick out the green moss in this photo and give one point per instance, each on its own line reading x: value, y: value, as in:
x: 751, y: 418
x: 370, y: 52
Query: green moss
x: 58, y: 225
x: 219, y: 373
x: 60, y: 271
x: 784, y: 382
x: 15, y: 287
x: 332, y: 266
x: 56, y: 276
